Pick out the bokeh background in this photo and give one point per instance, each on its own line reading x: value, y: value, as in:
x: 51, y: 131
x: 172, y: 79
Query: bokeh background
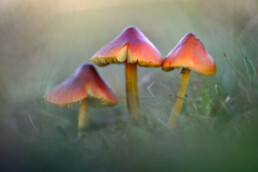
x: 43, y: 42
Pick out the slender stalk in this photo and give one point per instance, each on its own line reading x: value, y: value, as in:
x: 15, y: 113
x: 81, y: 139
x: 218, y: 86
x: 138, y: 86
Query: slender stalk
x: 132, y: 90
x: 180, y: 96
x: 83, y: 118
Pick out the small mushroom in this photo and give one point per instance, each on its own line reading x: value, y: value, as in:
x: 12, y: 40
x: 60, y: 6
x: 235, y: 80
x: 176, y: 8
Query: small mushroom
x: 86, y: 87
x: 189, y: 54
x: 131, y: 47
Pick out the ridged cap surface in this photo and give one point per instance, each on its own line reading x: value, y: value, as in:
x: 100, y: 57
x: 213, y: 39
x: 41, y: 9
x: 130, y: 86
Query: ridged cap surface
x: 190, y: 53
x: 84, y: 83
x: 131, y: 46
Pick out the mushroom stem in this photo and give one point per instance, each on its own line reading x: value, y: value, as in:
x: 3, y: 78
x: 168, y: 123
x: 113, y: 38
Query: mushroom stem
x: 83, y: 118
x: 132, y: 90
x: 180, y: 96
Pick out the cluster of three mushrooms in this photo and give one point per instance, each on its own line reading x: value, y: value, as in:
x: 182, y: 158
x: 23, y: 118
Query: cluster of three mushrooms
x: 132, y: 47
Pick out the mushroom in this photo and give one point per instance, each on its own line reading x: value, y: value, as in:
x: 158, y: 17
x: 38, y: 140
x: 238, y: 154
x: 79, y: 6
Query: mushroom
x: 189, y: 54
x: 131, y: 47
x: 86, y: 87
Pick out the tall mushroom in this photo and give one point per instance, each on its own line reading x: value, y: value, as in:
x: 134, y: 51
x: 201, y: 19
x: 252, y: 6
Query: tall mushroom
x: 84, y: 86
x: 189, y: 54
x: 131, y: 47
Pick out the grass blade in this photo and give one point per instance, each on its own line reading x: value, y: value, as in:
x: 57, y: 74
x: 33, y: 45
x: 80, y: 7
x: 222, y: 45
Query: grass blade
x: 234, y: 68
x: 251, y: 70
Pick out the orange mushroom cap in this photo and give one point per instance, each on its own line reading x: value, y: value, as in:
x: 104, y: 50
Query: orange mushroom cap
x: 190, y: 53
x: 131, y: 46
x: 85, y: 82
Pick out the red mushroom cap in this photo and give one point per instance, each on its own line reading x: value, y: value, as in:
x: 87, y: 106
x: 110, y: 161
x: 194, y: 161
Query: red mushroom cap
x: 190, y: 53
x: 85, y: 82
x: 131, y: 46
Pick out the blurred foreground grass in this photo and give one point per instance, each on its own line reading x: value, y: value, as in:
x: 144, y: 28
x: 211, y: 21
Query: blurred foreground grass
x: 43, y: 42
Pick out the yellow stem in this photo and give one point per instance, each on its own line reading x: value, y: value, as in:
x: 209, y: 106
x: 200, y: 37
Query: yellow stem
x: 180, y: 96
x: 83, y: 118
x: 132, y: 90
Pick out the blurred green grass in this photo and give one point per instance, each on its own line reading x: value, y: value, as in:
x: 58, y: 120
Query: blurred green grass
x: 43, y: 42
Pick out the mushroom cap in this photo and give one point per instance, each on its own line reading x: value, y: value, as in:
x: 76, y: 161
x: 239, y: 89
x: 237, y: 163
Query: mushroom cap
x: 84, y: 83
x: 131, y: 46
x: 190, y: 53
